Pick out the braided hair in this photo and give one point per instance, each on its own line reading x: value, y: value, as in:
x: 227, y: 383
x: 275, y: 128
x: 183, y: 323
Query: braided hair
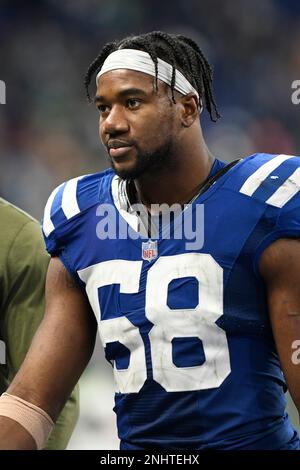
x: 179, y: 51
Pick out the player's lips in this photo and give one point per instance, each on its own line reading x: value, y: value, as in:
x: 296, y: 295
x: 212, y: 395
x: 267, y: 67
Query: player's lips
x: 118, y: 148
x: 120, y: 151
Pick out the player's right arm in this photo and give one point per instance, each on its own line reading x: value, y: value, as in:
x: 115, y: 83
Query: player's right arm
x: 57, y: 357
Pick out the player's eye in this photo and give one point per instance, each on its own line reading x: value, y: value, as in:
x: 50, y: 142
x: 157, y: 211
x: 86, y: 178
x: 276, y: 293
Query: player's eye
x: 133, y: 103
x: 102, y: 108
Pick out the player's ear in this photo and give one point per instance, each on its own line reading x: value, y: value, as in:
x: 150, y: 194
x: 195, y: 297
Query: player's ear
x: 190, y: 109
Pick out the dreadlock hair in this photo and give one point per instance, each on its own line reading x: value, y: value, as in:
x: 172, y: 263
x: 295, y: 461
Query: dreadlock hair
x: 179, y: 51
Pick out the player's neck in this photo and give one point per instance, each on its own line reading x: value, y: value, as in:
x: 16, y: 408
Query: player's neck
x: 179, y: 184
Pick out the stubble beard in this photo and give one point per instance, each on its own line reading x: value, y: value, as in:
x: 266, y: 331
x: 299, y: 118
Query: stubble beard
x: 153, y: 162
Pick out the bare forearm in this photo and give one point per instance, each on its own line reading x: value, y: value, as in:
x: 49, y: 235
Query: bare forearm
x: 279, y: 267
x: 296, y: 400
x: 58, y: 355
x: 290, y: 325
x: 13, y: 436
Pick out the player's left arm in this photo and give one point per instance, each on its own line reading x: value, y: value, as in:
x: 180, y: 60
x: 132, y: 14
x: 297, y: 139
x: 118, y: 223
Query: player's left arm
x: 27, y: 266
x: 280, y: 269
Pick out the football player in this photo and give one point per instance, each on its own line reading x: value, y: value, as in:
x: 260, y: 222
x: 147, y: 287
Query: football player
x: 201, y: 331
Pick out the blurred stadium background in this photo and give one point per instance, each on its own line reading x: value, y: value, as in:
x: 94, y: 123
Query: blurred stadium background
x: 48, y: 133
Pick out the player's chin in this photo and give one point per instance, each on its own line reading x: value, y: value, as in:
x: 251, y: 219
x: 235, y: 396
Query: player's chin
x: 125, y: 169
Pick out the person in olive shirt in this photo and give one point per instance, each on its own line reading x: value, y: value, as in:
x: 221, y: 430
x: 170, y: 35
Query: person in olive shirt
x: 23, y: 266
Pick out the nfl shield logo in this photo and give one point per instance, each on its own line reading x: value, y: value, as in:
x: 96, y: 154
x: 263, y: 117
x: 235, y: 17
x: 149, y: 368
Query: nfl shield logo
x: 149, y: 250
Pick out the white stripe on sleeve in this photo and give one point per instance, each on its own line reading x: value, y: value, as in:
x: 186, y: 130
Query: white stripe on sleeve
x: 255, y: 180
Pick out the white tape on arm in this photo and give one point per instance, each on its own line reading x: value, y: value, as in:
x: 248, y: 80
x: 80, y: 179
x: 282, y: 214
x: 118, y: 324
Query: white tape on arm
x: 35, y: 420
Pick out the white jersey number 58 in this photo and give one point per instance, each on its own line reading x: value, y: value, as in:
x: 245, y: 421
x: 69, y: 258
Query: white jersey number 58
x: 168, y: 323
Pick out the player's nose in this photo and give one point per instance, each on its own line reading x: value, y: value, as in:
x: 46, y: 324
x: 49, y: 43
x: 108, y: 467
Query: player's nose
x: 115, y: 122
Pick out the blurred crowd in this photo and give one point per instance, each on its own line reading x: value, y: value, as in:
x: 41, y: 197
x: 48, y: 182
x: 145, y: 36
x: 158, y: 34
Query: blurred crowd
x: 48, y: 132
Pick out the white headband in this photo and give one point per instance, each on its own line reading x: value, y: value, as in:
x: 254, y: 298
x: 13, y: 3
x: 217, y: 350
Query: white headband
x: 141, y: 61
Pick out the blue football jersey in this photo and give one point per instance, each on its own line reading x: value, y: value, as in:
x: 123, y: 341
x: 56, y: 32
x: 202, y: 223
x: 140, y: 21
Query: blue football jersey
x: 185, y: 325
